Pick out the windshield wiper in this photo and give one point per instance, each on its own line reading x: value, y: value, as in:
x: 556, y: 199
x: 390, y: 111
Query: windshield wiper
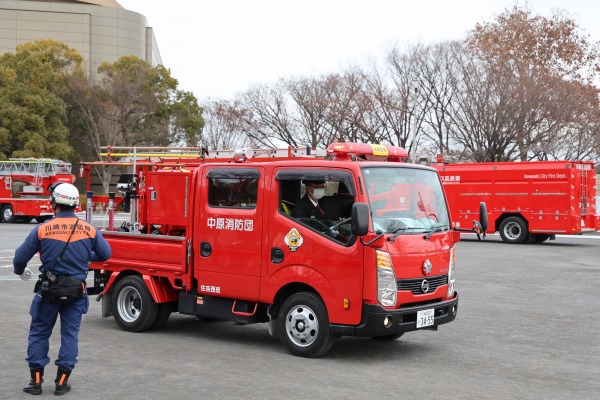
x: 435, y: 229
x: 398, y: 231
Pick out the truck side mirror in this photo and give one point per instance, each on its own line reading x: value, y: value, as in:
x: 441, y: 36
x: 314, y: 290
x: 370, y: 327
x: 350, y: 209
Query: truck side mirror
x: 360, y: 219
x: 483, y: 217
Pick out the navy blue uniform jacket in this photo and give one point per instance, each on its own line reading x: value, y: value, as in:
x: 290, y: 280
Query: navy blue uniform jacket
x: 49, y: 238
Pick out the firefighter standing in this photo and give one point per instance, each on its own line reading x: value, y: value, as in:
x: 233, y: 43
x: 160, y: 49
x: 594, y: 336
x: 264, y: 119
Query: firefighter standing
x: 49, y: 239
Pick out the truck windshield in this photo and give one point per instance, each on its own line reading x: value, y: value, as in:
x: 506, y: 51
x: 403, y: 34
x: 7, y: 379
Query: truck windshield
x: 405, y: 200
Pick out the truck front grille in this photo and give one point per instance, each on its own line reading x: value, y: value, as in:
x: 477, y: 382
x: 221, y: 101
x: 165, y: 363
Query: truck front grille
x: 415, y: 285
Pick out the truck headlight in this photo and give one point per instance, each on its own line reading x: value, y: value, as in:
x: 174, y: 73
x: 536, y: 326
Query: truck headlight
x: 387, y: 290
x: 451, y: 272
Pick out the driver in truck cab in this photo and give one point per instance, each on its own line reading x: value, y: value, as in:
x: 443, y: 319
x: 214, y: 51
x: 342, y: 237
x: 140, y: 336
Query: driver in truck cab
x: 328, y: 214
x: 314, y: 204
x: 310, y: 205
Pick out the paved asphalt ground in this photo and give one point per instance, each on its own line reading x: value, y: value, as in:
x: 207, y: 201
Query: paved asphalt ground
x: 528, y: 328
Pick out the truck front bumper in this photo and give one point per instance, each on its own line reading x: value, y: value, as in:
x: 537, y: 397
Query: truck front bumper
x: 377, y: 321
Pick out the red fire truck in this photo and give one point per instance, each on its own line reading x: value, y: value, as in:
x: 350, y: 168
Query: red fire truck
x: 216, y: 238
x: 526, y: 201
x: 23, y: 187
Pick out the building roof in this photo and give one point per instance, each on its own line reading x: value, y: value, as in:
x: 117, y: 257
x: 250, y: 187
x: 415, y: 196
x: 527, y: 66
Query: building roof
x: 103, y: 3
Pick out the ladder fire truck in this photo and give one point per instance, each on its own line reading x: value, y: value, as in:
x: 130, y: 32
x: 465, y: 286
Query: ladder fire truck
x: 217, y: 236
x: 23, y: 187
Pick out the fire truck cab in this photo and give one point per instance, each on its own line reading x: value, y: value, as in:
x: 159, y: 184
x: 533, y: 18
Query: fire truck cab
x: 218, y: 239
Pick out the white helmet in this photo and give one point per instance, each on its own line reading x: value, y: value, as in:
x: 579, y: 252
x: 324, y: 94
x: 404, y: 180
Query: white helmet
x: 66, y: 194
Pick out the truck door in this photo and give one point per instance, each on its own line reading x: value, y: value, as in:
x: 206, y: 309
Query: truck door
x: 228, y: 231
x: 316, y: 250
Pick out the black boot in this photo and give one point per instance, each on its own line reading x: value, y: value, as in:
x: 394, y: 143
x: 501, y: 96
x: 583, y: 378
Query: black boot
x: 35, y: 385
x: 62, y: 386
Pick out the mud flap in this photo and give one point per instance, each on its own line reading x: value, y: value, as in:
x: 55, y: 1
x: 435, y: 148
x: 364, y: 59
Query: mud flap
x: 106, y: 305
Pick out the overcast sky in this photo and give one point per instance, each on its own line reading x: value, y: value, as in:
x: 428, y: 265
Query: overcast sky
x: 216, y: 48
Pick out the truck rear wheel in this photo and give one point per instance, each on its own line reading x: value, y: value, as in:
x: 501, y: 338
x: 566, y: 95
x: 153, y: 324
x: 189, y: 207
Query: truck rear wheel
x: 133, y: 306
x: 7, y: 214
x: 164, y: 312
x: 303, y: 325
x: 513, y: 230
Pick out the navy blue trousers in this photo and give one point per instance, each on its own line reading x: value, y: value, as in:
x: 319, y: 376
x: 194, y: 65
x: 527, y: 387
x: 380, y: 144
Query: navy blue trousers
x: 43, y: 318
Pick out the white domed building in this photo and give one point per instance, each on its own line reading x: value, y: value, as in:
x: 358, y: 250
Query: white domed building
x: 101, y: 30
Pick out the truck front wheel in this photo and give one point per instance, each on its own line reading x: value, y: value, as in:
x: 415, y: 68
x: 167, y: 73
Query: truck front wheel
x: 303, y: 325
x: 513, y: 230
x: 133, y: 306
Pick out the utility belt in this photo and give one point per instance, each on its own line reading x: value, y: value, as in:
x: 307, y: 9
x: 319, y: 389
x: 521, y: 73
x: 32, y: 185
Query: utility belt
x: 63, y: 289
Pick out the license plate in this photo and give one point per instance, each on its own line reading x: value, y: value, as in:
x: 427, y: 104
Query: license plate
x: 424, y: 318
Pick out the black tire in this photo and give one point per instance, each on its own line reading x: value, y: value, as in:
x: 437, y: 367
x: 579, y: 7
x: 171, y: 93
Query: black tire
x: 164, y: 311
x: 133, y: 306
x: 7, y: 214
x: 43, y: 219
x: 303, y: 325
x: 514, y: 230
x: 388, y: 338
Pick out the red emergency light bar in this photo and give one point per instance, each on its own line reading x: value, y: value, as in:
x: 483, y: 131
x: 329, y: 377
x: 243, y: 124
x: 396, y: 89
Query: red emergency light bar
x: 366, y: 151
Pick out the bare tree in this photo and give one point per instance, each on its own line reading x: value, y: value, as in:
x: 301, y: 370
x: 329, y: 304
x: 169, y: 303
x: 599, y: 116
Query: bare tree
x: 436, y: 66
x: 540, y: 56
x: 482, y: 116
x: 265, y: 117
x: 222, y: 130
x: 309, y: 99
x: 519, y: 88
x: 352, y: 113
x: 412, y: 96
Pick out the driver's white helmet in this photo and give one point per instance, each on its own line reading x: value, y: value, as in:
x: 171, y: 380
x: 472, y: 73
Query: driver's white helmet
x: 66, y: 194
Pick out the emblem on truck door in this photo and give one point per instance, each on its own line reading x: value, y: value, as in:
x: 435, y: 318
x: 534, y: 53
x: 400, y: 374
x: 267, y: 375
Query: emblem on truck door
x: 293, y: 239
x: 427, y: 267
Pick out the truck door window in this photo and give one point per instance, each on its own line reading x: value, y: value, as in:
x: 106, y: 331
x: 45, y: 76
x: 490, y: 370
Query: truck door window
x: 336, y: 204
x: 233, y: 187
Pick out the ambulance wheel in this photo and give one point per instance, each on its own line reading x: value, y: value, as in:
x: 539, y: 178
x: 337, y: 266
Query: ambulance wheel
x: 7, y: 214
x: 513, y: 230
x: 303, y: 325
x: 133, y: 306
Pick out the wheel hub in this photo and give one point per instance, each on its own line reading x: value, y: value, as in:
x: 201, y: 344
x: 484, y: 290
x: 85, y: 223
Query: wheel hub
x: 513, y: 231
x: 129, y: 304
x: 302, y: 326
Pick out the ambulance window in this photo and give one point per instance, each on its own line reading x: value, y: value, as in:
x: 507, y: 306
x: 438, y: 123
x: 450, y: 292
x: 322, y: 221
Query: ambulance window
x: 233, y: 188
